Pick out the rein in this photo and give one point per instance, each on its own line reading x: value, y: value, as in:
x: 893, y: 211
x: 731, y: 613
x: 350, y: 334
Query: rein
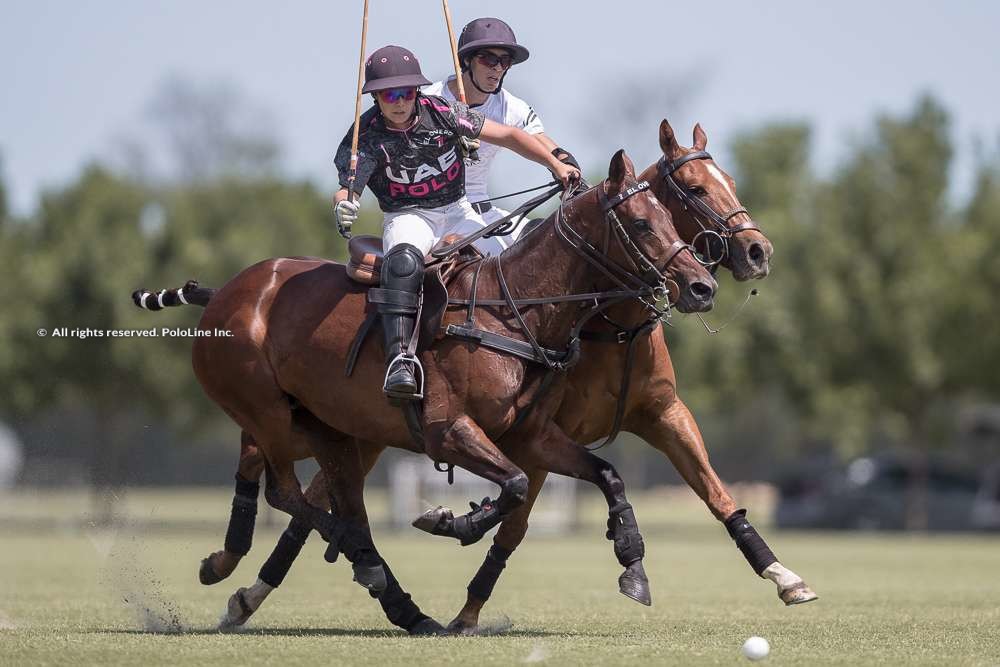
x: 501, y: 226
x: 643, y: 281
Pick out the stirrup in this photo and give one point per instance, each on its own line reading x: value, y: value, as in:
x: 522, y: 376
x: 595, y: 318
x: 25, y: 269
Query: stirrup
x: 418, y: 375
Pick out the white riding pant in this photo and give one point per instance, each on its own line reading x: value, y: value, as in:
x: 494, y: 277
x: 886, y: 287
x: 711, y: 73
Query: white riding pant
x: 425, y: 227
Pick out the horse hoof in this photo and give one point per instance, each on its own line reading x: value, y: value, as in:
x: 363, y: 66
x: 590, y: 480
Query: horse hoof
x: 433, y: 521
x: 797, y: 594
x: 428, y: 628
x: 207, y: 574
x: 371, y: 577
x: 460, y: 627
x: 238, y: 611
x: 634, y: 584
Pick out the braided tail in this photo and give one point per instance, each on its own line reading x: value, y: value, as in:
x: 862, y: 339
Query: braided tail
x: 189, y: 295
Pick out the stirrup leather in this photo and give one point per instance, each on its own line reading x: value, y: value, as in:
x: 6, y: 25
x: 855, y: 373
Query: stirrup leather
x: 418, y: 375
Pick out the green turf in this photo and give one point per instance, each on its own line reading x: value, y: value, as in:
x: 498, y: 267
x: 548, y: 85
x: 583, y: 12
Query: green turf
x: 884, y: 599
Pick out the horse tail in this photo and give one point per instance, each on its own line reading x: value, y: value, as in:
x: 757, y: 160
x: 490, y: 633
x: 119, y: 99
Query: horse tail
x: 189, y: 295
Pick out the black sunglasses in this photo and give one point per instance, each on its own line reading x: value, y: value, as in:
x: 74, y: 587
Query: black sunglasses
x: 492, y: 60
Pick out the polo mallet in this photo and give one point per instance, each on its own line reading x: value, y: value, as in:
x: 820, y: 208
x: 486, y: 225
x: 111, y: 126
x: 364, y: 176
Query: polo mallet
x: 357, y: 110
x: 473, y: 154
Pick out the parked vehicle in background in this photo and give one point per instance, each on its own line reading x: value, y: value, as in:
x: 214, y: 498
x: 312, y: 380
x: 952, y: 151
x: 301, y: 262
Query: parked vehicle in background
x: 870, y: 493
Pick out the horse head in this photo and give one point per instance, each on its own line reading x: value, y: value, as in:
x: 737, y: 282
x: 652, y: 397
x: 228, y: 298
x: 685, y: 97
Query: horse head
x: 709, y: 215
x: 646, y: 242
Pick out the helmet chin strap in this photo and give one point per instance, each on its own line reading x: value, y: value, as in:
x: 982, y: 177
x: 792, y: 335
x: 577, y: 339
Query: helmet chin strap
x: 472, y: 77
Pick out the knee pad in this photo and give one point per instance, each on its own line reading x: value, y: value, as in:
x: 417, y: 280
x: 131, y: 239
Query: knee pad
x: 403, y: 266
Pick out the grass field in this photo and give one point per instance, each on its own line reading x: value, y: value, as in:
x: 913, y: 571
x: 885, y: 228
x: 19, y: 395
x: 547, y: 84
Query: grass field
x: 883, y: 599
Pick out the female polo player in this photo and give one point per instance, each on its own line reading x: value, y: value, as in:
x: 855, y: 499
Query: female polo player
x: 409, y: 156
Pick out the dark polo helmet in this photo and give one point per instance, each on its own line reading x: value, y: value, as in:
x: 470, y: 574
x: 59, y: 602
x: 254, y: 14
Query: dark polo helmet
x: 487, y: 33
x: 392, y: 67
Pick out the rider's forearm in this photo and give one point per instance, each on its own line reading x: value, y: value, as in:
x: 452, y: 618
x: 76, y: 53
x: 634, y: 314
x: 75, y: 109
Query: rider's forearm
x: 546, y: 142
x: 340, y: 196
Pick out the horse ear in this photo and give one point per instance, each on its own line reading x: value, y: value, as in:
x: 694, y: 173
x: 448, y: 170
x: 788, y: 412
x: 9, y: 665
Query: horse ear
x: 620, y: 168
x: 700, y: 138
x: 668, y: 142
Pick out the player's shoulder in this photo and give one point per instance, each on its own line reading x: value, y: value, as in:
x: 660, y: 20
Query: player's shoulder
x: 514, y: 102
x: 367, y: 123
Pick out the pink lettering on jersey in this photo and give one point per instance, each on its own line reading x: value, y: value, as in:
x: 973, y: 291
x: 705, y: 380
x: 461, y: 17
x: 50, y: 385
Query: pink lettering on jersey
x: 395, y: 189
x: 437, y: 107
x: 453, y: 170
x: 419, y: 190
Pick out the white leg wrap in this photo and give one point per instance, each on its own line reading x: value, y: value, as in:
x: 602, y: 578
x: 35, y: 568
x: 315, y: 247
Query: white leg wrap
x: 256, y: 594
x: 781, y: 575
x: 180, y: 295
x: 159, y: 297
x: 142, y: 300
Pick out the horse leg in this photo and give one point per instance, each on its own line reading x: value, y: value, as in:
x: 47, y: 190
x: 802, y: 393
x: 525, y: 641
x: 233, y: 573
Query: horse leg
x: 246, y: 601
x: 509, y: 535
x: 239, y: 534
x: 556, y: 452
x: 464, y: 444
x: 675, y: 433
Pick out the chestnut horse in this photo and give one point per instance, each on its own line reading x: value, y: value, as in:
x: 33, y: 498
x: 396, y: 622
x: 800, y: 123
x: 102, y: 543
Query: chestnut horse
x: 293, y: 320
x: 703, y: 202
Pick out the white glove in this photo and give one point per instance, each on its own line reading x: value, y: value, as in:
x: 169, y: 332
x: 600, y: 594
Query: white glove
x: 469, y: 148
x: 346, y: 214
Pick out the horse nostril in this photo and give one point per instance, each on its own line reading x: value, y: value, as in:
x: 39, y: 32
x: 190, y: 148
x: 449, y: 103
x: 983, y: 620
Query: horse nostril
x: 756, y: 253
x: 702, y: 291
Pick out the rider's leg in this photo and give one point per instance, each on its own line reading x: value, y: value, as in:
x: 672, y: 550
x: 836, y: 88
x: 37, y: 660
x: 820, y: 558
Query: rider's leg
x: 402, y: 278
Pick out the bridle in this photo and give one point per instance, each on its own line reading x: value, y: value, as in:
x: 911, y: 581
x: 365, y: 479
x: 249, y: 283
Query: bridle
x: 641, y: 274
x: 713, y: 225
x: 642, y: 281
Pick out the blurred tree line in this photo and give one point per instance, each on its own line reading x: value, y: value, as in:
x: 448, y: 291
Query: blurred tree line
x: 875, y: 327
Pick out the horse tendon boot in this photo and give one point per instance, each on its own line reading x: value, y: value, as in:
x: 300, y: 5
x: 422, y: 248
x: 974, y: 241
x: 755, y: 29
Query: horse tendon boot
x: 623, y: 530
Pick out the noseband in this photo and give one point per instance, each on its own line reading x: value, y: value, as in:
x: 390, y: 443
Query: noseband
x: 717, y: 224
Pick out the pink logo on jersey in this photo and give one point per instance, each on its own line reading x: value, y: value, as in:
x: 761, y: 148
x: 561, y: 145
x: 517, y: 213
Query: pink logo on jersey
x: 437, y: 107
x: 426, y: 178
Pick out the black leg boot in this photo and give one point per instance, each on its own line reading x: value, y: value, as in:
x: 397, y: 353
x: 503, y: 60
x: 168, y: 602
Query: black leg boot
x: 398, y: 299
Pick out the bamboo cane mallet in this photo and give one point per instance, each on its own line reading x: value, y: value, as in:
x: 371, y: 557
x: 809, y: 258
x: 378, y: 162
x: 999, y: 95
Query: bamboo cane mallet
x: 474, y: 155
x: 357, y: 110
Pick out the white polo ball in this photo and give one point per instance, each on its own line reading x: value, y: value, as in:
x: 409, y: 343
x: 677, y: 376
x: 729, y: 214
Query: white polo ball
x: 756, y: 648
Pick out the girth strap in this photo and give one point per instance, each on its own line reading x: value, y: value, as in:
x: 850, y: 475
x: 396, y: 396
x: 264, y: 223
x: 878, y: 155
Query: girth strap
x: 629, y: 337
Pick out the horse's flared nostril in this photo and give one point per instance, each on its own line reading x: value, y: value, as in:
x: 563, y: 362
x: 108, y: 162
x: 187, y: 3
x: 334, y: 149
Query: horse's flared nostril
x: 702, y: 291
x: 756, y: 254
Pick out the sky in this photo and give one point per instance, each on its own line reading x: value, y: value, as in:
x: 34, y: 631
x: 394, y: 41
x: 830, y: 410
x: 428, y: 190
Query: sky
x: 76, y: 77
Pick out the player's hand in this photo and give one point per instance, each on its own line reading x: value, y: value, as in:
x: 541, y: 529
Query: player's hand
x: 346, y: 214
x: 567, y: 174
x: 469, y: 148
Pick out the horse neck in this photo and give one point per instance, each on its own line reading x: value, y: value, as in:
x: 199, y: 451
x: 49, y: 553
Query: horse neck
x: 544, y: 265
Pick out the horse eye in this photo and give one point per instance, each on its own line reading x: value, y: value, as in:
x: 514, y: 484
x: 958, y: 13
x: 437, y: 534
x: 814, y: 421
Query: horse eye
x: 697, y: 191
x: 641, y: 224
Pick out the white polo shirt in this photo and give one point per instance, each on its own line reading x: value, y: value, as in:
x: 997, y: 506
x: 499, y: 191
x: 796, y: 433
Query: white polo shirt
x: 501, y: 108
